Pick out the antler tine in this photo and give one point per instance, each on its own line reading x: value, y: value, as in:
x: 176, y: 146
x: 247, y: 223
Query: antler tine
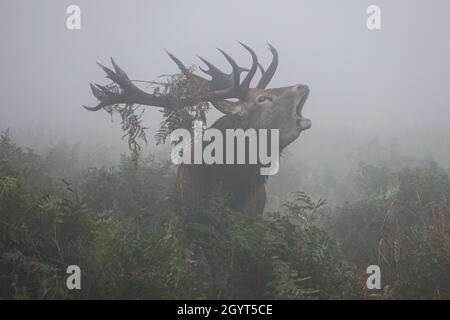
x: 219, y: 79
x: 236, y: 74
x: 223, y: 85
x: 268, y: 75
x: 180, y: 65
x: 212, y: 69
x: 109, y: 73
x: 261, y: 69
x: 248, y: 79
x: 98, y: 91
x: 101, y: 93
x: 92, y: 108
x: 121, y: 77
x: 185, y: 70
x: 237, y: 90
x: 232, y: 91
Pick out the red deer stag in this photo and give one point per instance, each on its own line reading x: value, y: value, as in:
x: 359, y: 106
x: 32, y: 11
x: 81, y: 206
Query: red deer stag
x: 244, y: 108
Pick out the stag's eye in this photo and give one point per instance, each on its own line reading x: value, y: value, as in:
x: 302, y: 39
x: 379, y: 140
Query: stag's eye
x: 262, y: 99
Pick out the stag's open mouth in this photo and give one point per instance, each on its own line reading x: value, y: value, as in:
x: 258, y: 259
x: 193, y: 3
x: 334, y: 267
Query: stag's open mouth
x: 302, y: 122
x: 300, y: 105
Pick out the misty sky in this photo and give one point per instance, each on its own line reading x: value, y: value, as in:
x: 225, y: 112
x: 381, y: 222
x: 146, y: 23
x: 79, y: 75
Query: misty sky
x: 395, y: 81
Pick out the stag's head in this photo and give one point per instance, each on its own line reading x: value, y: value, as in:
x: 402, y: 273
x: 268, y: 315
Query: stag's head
x: 258, y: 107
x: 277, y: 108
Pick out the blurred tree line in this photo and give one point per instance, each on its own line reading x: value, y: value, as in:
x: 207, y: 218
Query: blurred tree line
x: 121, y: 225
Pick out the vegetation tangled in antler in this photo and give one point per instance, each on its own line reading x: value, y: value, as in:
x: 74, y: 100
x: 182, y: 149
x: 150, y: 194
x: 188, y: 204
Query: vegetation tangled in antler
x: 180, y: 88
x: 177, y: 86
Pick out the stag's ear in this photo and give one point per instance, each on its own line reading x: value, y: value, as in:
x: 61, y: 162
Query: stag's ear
x: 229, y: 107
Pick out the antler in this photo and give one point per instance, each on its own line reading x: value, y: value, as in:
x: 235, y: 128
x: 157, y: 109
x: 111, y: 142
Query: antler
x: 129, y: 93
x: 268, y: 75
x: 221, y: 86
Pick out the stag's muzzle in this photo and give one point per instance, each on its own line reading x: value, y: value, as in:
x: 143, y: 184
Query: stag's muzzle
x: 301, y: 122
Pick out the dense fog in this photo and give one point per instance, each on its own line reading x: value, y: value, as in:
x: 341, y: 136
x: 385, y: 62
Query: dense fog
x: 389, y: 84
x: 367, y: 185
